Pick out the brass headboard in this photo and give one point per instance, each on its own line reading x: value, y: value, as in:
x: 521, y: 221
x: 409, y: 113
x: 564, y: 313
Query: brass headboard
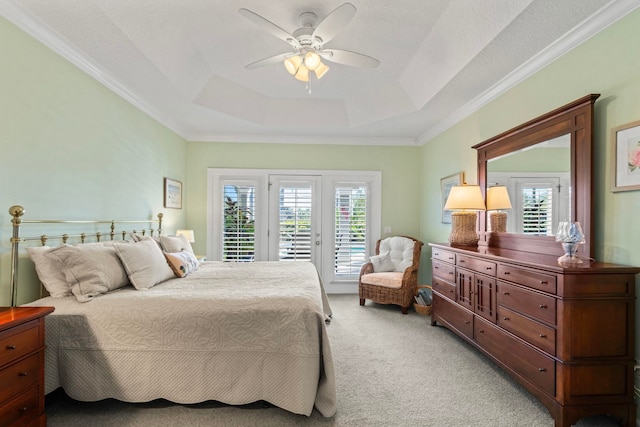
x: 17, y: 212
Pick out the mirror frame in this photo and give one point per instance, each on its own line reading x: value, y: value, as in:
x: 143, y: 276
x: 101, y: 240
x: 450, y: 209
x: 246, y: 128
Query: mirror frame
x: 575, y: 118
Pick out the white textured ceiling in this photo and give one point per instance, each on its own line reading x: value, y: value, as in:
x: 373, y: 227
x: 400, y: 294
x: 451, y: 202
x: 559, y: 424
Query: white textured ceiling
x: 183, y: 61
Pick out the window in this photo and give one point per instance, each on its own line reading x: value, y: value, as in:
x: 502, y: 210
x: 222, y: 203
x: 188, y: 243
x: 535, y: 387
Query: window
x: 350, y: 229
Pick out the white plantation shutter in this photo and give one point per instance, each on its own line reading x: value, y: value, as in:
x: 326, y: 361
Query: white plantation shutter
x: 295, y: 213
x: 238, y: 236
x: 350, y: 228
x: 537, y: 208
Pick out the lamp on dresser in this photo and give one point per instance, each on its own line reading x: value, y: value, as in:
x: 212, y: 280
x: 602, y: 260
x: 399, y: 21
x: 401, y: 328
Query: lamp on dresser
x: 498, y: 199
x: 465, y: 201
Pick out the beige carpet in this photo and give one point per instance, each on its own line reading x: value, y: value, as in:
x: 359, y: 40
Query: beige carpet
x: 391, y: 370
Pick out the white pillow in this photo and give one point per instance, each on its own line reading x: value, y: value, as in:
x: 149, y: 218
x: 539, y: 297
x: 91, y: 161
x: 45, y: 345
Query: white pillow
x: 182, y: 263
x: 173, y: 244
x: 90, y: 270
x: 381, y: 263
x: 49, y: 272
x: 144, y: 263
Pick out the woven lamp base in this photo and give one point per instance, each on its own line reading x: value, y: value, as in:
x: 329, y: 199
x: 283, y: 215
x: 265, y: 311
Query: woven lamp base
x: 498, y: 221
x: 463, y: 228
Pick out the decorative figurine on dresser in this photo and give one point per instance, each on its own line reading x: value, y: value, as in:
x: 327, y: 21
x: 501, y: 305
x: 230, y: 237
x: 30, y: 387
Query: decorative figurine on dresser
x: 22, y: 366
x: 562, y: 327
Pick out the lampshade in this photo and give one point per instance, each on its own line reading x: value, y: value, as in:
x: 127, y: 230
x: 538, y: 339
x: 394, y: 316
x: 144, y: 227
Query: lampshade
x: 188, y: 234
x: 302, y: 74
x: 311, y: 60
x: 321, y: 70
x: 498, y: 198
x: 292, y: 64
x: 465, y: 197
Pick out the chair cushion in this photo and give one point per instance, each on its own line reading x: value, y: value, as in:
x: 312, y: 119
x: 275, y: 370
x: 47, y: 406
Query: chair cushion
x: 382, y: 263
x: 400, y: 250
x: 389, y: 279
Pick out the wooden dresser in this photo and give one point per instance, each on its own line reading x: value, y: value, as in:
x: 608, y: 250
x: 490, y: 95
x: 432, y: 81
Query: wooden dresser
x: 22, y: 366
x: 564, y: 333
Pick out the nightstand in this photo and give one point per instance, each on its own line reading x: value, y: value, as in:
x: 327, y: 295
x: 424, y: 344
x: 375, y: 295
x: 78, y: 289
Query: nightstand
x: 201, y: 258
x: 22, y: 366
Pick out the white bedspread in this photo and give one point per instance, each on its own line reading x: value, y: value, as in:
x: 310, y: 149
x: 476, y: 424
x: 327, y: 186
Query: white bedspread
x: 231, y: 332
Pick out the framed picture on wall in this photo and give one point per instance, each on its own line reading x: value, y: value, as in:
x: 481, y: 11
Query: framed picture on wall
x: 445, y: 188
x: 625, y: 141
x: 172, y: 193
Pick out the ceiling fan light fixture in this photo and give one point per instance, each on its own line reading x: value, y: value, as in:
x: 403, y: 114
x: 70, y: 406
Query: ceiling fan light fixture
x: 321, y: 70
x: 302, y: 74
x: 311, y: 60
x: 292, y: 64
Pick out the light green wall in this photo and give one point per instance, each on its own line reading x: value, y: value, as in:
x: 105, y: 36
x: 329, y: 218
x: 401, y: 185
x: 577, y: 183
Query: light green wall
x: 399, y: 166
x: 73, y: 149
x: 609, y: 64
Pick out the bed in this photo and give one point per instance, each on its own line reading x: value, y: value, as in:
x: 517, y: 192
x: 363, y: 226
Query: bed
x: 235, y: 333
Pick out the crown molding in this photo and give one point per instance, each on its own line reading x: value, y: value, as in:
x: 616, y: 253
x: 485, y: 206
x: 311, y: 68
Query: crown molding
x: 302, y: 139
x: 606, y: 16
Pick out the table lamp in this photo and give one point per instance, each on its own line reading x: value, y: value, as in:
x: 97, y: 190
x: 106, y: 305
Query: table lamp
x: 464, y: 201
x: 497, y: 199
x: 188, y: 234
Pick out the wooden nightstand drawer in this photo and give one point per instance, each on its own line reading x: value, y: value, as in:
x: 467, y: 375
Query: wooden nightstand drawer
x: 19, y: 377
x: 526, y: 277
x: 22, y: 409
x: 19, y: 341
x: 444, y: 271
x: 477, y: 265
x: 445, y: 256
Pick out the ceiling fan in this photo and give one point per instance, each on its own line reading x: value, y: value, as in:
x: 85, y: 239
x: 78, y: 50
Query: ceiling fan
x: 307, y: 43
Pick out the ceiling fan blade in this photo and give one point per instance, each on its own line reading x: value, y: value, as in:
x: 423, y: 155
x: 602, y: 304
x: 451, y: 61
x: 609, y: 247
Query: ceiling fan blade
x: 270, y: 27
x: 333, y: 23
x: 267, y: 61
x: 346, y: 57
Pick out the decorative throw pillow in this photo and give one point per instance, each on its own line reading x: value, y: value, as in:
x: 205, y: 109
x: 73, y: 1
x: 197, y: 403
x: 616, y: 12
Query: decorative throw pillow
x: 144, y: 263
x: 90, y: 270
x: 49, y: 272
x: 174, y: 244
x: 182, y: 263
x: 382, y: 263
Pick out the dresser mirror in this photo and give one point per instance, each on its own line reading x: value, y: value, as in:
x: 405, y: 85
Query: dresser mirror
x: 546, y: 159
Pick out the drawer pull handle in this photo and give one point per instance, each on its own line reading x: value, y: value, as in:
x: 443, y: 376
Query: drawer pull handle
x: 505, y: 293
x: 11, y: 347
x: 436, y: 267
x: 542, y: 336
x: 450, y: 257
x: 542, y: 370
x: 505, y: 318
x: 506, y: 273
x: 481, y: 331
x: 467, y: 322
x: 462, y: 261
x: 544, y: 282
x: 543, y: 306
x: 23, y: 374
x: 23, y: 409
x: 451, y: 290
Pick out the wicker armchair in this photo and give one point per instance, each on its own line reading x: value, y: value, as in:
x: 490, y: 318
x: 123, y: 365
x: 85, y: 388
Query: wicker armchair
x: 394, y: 283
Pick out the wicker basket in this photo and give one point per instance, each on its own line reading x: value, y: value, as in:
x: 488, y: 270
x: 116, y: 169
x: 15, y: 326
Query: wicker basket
x: 422, y: 309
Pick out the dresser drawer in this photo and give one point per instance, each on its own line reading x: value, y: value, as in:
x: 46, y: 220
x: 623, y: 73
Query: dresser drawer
x: 443, y: 255
x: 444, y: 271
x: 19, y: 377
x: 477, y: 265
x: 534, y: 332
x: 526, y: 361
x: 540, y: 307
x: 19, y: 341
x: 458, y: 318
x: 446, y: 289
x: 22, y: 409
x: 531, y: 278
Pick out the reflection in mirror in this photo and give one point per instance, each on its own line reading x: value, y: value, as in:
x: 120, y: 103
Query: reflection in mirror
x: 538, y: 180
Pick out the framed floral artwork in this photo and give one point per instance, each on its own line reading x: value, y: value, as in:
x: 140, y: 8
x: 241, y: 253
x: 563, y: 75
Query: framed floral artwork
x: 625, y: 141
x: 172, y: 193
x: 445, y: 188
